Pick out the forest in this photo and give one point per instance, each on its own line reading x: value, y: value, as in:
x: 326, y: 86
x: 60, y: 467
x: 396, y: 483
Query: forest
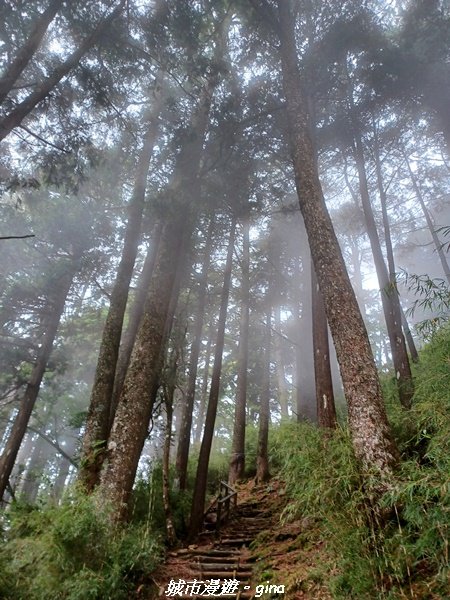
x: 224, y: 278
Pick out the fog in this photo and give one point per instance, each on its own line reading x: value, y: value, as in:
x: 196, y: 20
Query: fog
x: 174, y: 123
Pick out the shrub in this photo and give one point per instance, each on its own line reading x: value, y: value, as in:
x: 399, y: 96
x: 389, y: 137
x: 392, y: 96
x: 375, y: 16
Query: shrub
x: 147, y: 503
x: 70, y: 552
x: 407, y: 554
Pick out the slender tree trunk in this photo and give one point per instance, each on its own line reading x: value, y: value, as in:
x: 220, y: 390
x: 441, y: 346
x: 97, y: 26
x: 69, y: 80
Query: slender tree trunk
x: 24, y: 108
x: 34, y: 473
x: 135, y: 405
x: 262, y: 456
x: 65, y: 465
x: 198, y: 500
x: 389, y: 295
x: 204, y: 390
x: 26, y: 450
x: 136, y: 311
x: 26, y: 52
x: 429, y: 220
x: 188, y: 406
x: 54, y: 310
x: 170, y: 528
x: 279, y: 363
x: 390, y: 250
x: 305, y: 395
x: 169, y: 394
x: 134, y: 409
x: 371, y: 434
x: 98, y: 419
x: 6, y: 427
x: 357, y: 279
x: 237, y: 463
x: 326, y: 411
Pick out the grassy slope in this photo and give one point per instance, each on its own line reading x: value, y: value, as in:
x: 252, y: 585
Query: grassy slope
x: 334, y: 549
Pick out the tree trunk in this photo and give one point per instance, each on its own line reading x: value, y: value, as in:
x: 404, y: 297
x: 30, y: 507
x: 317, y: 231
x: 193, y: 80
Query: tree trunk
x: 35, y: 470
x: 169, y: 393
x: 279, y: 363
x: 371, y: 435
x: 305, y: 394
x: 198, y: 500
x: 54, y: 310
x: 390, y: 251
x: 65, y: 465
x: 26, y: 450
x: 188, y: 406
x: 357, y: 279
x: 262, y: 456
x: 326, y: 411
x: 429, y: 220
x: 98, y: 419
x: 17, y: 115
x: 134, y: 410
x: 204, y: 390
x: 26, y: 52
x: 130, y: 426
x: 136, y: 312
x: 389, y: 295
x: 237, y: 463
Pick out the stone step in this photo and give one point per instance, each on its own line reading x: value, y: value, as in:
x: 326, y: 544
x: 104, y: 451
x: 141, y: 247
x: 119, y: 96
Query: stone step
x: 246, y: 530
x: 223, y: 560
x: 221, y: 566
x: 226, y: 574
x: 236, y: 541
x: 254, y: 520
x: 228, y: 552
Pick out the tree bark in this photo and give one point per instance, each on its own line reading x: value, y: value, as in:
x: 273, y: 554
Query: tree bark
x: 326, y: 411
x: 262, y: 455
x: 188, y: 406
x: 136, y: 312
x: 25, y: 451
x: 98, y: 419
x: 371, y: 435
x: 134, y: 409
x: 169, y: 392
x: 305, y: 391
x: 237, y: 463
x: 54, y: 309
x: 204, y: 390
x: 389, y: 296
x: 130, y: 426
x: 198, y: 500
x: 35, y: 470
x: 390, y: 250
x: 16, y: 116
x: 283, y: 397
x: 26, y: 52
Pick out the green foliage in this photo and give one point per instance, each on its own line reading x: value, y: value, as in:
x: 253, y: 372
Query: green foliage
x: 148, y: 502
x: 70, y: 552
x: 433, y: 295
x: 251, y: 449
x: 404, y: 554
x: 219, y: 464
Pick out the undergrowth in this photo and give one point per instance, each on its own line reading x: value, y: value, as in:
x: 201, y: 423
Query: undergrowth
x: 408, y: 555
x: 71, y: 552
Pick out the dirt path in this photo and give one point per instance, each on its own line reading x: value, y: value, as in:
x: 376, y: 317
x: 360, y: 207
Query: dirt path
x: 256, y: 556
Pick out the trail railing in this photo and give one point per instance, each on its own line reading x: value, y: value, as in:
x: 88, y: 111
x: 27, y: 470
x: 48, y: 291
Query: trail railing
x: 222, y: 506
